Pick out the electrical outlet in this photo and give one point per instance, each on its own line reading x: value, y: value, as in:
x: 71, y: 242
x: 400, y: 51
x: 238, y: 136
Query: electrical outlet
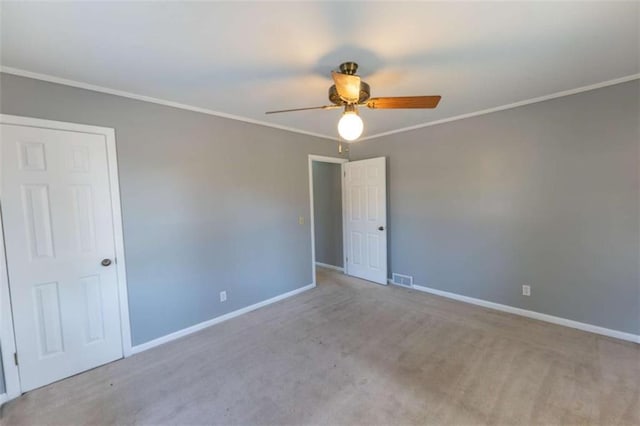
x: 223, y: 296
x: 301, y: 220
x: 526, y: 290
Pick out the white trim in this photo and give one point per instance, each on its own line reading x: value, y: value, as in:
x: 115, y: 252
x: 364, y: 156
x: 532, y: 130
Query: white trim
x: 172, y: 104
x: 7, y: 337
x: 321, y: 159
x: 509, y: 106
x: 118, y: 236
x: 325, y: 159
x: 124, y: 94
x: 345, y: 263
x: 18, y: 120
x: 532, y: 314
x: 194, y: 328
x: 3, y: 398
x: 326, y: 265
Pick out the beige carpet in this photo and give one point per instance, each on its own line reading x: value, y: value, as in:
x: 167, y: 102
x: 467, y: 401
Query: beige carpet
x: 352, y: 352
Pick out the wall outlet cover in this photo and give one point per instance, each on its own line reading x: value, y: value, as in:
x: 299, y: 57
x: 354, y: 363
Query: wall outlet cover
x: 526, y: 290
x: 223, y: 296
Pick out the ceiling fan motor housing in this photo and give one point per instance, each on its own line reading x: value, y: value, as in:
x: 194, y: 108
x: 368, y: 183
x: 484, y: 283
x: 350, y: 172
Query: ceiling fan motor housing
x: 365, y: 94
x: 349, y: 68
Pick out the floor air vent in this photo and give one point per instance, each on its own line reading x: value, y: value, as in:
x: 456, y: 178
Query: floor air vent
x: 403, y: 280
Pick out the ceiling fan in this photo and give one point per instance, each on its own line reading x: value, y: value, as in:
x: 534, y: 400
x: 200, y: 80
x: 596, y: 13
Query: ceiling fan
x: 349, y: 92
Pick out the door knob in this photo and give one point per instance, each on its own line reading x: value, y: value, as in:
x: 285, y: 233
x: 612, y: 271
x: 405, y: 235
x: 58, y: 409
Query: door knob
x: 105, y: 262
x: 380, y: 228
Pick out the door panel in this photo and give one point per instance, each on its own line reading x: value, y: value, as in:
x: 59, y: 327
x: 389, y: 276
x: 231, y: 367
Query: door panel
x: 37, y: 219
x: 56, y: 209
x: 94, y: 320
x: 49, y: 331
x: 82, y: 205
x: 366, y: 219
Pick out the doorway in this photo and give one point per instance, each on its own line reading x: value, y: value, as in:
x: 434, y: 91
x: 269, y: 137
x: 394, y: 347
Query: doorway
x: 326, y: 212
x: 63, y: 276
x: 348, y: 206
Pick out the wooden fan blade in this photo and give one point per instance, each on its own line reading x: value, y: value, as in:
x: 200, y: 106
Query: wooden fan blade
x: 304, y: 109
x: 347, y: 86
x: 400, y: 102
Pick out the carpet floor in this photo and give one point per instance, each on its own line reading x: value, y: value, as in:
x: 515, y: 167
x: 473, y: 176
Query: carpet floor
x: 352, y: 352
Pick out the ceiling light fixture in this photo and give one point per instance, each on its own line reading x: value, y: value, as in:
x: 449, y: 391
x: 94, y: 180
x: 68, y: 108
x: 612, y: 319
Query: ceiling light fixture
x: 350, y: 125
x: 350, y: 92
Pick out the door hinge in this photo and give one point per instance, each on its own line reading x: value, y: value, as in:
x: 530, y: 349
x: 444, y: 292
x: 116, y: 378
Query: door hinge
x: 15, y: 357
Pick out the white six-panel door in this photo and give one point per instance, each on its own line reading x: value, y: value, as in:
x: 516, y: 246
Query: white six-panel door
x: 365, y: 203
x: 58, y: 224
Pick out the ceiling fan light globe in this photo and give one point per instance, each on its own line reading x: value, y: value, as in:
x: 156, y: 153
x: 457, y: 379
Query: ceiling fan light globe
x: 350, y: 126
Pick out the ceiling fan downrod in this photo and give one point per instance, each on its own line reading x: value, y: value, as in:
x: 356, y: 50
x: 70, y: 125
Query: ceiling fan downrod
x: 349, y: 68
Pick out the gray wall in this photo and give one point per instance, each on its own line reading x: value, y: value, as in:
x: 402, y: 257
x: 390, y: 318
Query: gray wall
x: 209, y: 204
x: 545, y: 195
x: 327, y: 212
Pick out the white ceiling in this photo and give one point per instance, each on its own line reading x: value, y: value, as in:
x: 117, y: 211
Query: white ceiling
x: 246, y: 58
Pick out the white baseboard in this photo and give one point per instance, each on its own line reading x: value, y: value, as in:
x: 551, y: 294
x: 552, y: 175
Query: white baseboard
x: 189, y: 330
x: 326, y: 265
x: 532, y: 314
x: 3, y: 398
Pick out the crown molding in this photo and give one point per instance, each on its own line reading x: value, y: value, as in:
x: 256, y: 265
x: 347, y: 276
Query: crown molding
x: 101, y: 89
x: 509, y: 106
x: 172, y: 104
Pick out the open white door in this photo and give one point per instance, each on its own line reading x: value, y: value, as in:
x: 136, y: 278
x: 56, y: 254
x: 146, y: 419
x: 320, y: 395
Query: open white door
x: 59, y: 237
x: 365, y: 221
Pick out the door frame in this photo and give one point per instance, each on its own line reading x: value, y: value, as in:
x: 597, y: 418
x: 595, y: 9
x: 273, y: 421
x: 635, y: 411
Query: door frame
x: 7, y: 335
x: 323, y: 159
